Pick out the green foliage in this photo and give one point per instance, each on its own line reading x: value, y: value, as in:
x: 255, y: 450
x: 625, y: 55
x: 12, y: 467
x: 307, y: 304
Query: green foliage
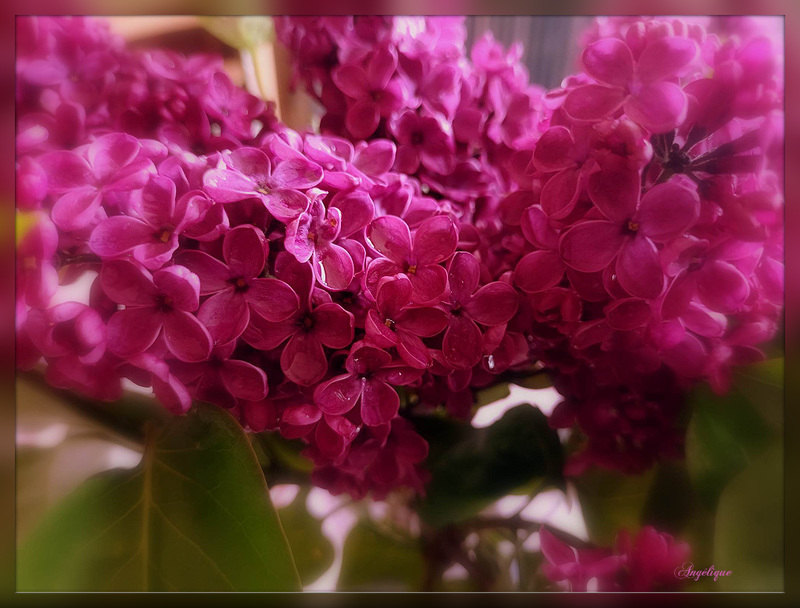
x: 472, y: 467
x: 611, y: 500
x: 749, y: 528
x: 377, y: 560
x: 313, y: 552
x: 727, y: 432
x: 194, y: 516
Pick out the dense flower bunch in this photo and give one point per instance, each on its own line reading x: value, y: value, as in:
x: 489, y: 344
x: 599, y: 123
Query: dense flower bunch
x: 637, y: 209
x: 450, y: 223
x: 647, y: 562
x: 293, y: 279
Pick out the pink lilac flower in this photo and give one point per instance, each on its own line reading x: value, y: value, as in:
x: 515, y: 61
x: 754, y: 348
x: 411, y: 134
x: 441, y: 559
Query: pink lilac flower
x: 157, y: 305
x: 640, y: 85
x: 311, y: 236
x: 236, y: 286
x: 113, y: 163
x: 491, y: 305
x: 434, y: 242
x: 248, y: 173
x: 316, y: 323
x: 421, y: 139
x: 395, y: 323
x: 371, y: 373
x: 152, y: 237
x: 375, y: 92
x: 647, y: 563
x: 630, y: 233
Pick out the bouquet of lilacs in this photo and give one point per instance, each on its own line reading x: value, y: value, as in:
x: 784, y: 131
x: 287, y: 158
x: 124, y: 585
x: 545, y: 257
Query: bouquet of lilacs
x: 449, y: 227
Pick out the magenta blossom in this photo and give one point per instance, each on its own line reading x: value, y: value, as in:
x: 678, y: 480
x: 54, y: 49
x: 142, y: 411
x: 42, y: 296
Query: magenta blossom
x: 312, y: 326
x: 491, y: 305
x: 248, y: 173
x: 374, y: 91
x: 434, y: 242
x: 237, y: 286
x: 421, y: 139
x: 631, y: 232
x: 223, y: 380
x: 151, y: 237
x: 369, y: 379
x: 643, y: 86
x: 112, y: 163
x: 395, y: 323
x: 155, y: 305
x: 311, y: 236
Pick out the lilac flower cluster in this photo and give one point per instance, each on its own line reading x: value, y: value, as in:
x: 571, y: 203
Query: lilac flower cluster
x: 637, y: 209
x: 295, y: 280
x: 647, y: 562
x: 450, y: 223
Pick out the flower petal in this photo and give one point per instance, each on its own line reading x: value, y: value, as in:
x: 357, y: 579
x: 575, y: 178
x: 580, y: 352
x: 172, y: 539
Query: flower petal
x: 435, y: 240
x: 554, y: 150
x: 659, y: 107
x: 213, y: 274
x: 226, y: 315
x: 722, y: 287
x: 127, y: 284
x: 667, y: 211
x: 362, y: 118
x: 285, y: 204
x: 593, y: 102
x: 666, y: 57
x: 428, y: 283
x: 243, y: 380
x: 76, y: 209
x: 181, y: 285
x: 628, y: 314
x: 390, y: 236
x: 333, y: 325
x: 303, y: 359
x: 639, y: 269
x: 379, y: 402
x: 609, y: 60
x: 538, y: 271
x: 338, y: 395
x: 297, y: 174
x: 462, y: 346
x: 591, y: 246
x: 423, y: 322
x: 272, y: 299
x: 560, y: 193
x: 464, y: 273
x: 493, y: 304
x: 132, y: 331
x: 244, y: 250
x: 615, y: 193
x: 333, y: 267
x: 118, y: 235
x: 186, y: 337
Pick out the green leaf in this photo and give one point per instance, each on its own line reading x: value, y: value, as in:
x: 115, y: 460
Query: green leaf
x: 727, y: 432
x: 194, y: 516
x: 313, y: 552
x: 749, y: 538
x: 494, y: 393
x: 611, y: 500
x: 471, y: 468
x: 538, y: 380
x: 373, y: 560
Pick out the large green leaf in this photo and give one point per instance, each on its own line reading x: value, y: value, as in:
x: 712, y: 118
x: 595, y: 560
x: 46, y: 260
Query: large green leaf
x: 194, y: 516
x: 472, y: 467
x: 727, y: 432
x: 313, y: 552
x: 375, y: 560
x: 611, y: 500
x: 749, y: 538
